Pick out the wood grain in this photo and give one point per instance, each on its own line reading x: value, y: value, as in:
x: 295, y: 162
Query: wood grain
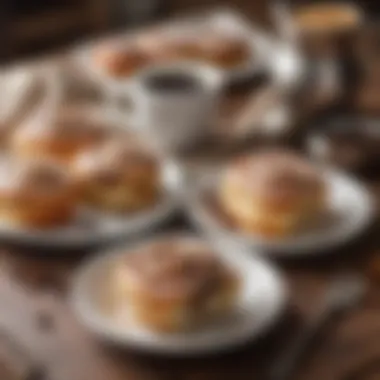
x: 35, y: 312
x: 33, y: 297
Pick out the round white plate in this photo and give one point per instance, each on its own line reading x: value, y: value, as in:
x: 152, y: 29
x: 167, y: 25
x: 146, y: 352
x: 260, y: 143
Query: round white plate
x: 261, y: 302
x: 350, y: 210
x: 92, y: 227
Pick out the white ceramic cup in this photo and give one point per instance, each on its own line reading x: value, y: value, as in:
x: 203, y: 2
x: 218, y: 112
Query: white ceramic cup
x: 174, y: 119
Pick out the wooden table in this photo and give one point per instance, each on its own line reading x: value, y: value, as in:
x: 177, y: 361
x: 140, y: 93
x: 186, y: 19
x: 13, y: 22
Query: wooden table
x: 33, y: 293
x: 35, y: 313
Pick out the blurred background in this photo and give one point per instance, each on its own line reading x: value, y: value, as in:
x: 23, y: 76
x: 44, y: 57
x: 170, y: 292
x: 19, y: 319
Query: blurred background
x: 31, y: 27
x: 37, y: 28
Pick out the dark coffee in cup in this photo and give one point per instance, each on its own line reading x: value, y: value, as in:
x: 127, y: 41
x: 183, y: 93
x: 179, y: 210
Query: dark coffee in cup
x: 173, y: 82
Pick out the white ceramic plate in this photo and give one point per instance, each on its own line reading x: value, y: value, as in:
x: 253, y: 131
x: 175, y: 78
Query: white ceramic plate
x: 261, y: 44
x: 350, y: 210
x: 92, y: 227
x: 261, y: 301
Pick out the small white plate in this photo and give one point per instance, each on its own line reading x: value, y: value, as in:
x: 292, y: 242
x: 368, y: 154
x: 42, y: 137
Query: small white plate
x: 226, y: 19
x: 92, y: 227
x: 350, y: 210
x: 261, y: 302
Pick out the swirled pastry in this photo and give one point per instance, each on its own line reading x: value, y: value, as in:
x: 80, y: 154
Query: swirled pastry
x: 165, y: 47
x: 60, y: 137
x: 119, y: 175
x: 174, y: 285
x: 120, y: 59
x: 272, y: 194
x: 35, y: 194
x: 224, y: 50
x: 213, y: 47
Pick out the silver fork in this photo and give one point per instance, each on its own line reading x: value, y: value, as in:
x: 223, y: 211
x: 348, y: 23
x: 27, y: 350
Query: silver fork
x: 344, y: 293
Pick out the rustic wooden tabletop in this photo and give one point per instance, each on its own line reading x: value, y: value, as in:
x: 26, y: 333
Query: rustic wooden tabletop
x: 35, y: 314
x: 36, y: 317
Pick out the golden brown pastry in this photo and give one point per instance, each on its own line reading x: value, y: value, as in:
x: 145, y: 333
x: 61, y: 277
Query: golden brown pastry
x: 59, y: 138
x: 120, y: 59
x: 163, y: 48
x: 35, y: 194
x: 120, y: 175
x: 272, y: 194
x: 174, y: 285
x: 223, y: 50
x: 322, y: 18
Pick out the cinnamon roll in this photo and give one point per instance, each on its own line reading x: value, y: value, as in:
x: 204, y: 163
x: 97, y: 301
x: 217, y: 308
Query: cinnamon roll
x: 35, y: 194
x: 224, y: 50
x: 59, y: 138
x: 120, y: 59
x: 272, y: 194
x: 119, y: 175
x: 163, y: 47
x: 174, y: 284
x: 216, y: 48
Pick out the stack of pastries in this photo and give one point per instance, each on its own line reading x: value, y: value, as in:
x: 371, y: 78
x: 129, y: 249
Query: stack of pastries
x: 75, y: 158
x: 174, y: 284
x: 217, y: 48
x: 272, y: 194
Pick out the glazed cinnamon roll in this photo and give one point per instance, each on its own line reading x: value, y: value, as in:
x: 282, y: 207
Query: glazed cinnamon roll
x: 35, y: 194
x: 120, y: 59
x: 220, y: 49
x: 119, y: 175
x: 162, y: 47
x: 59, y: 138
x: 224, y: 50
x: 272, y: 194
x: 174, y: 285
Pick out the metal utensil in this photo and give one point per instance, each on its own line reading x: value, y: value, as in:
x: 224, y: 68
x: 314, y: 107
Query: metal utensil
x: 344, y: 293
